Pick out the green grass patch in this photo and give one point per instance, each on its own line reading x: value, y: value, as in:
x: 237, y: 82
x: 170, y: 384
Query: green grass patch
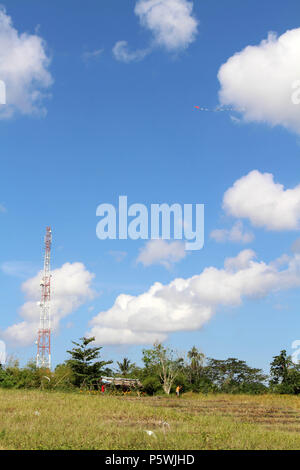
x: 56, y: 420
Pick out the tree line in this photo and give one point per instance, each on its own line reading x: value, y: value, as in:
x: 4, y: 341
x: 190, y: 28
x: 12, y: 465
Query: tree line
x: 162, y: 371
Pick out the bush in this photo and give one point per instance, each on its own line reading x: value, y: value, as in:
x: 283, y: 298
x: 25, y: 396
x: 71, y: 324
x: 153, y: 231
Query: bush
x: 151, y: 385
x: 14, y: 377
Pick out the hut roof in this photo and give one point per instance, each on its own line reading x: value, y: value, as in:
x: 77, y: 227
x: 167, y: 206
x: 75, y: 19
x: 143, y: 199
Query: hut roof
x: 121, y: 381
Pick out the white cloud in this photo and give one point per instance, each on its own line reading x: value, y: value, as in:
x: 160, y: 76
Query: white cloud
x: 241, y: 261
x: 161, y: 252
x: 281, y: 261
x: 236, y: 234
x: 187, y: 304
x: 171, y: 23
x: 259, y: 81
x: 123, y: 54
x: 265, y: 203
x: 71, y: 287
x: 23, y: 68
x: 3, y: 209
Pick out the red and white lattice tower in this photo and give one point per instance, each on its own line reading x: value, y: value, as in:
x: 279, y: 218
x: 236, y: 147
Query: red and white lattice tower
x: 43, y: 358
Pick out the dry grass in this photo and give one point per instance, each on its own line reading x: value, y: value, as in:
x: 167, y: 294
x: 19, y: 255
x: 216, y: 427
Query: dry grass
x: 76, y: 421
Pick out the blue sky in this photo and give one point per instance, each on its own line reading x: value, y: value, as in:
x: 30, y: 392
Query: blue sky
x: 112, y: 128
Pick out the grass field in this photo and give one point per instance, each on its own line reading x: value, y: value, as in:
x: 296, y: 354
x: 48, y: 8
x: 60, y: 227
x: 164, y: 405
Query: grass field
x: 48, y: 420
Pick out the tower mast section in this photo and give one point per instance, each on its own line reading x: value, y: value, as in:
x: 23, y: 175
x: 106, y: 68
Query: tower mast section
x: 43, y: 358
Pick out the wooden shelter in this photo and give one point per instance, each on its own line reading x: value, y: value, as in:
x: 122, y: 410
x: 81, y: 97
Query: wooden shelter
x: 121, y: 382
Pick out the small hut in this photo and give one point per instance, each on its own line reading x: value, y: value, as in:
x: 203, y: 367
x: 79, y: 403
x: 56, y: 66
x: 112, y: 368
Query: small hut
x: 121, y: 383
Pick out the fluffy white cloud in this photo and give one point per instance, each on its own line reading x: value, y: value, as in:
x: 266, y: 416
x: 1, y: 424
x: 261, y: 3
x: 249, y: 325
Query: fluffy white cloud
x: 263, y: 81
x: 71, y: 287
x: 235, y: 234
x: 171, y: 23
x: 241, y: 261
x: 265, y: 203
x: 23, y: 68
x: 161, y: 252
x: 187, y: 304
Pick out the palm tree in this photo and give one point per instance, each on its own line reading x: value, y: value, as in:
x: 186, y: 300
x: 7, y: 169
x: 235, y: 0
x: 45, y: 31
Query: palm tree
x: 125, y: 366
x: 196, y: 357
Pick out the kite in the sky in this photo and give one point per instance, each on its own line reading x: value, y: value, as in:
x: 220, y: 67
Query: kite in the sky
x: 219, y: 109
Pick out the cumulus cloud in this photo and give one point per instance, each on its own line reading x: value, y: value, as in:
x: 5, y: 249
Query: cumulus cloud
x: 236, y: 234
x: 71, y: 287
x: 241, y: 261
x: 263, y: 81
x: 161, y: 252
x: 188, y: 304
x: 23, y: 68
x: 265, y: 203
x: 171, y: 23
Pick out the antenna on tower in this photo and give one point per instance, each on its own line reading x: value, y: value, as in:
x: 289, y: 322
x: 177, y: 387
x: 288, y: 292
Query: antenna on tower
x: 43, y: 357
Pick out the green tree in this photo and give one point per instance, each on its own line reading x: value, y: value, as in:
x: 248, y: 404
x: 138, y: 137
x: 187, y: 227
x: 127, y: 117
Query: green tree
x: 86, y: 369
x: 12, y: 376
x: 163, y: 363
x: 235, y: 376
x: 285, y: 375
x: 63, y: 377
x: 279, y: 368
x: 196, y: 358
x: 194, y: 369
x: 125, y: 367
